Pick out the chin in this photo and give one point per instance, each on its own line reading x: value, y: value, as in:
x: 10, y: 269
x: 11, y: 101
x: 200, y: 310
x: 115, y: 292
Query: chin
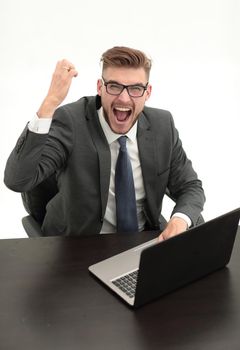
x: 121, y: 129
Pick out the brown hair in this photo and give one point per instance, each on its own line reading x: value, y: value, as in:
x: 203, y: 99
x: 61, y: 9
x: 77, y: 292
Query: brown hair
x: 120, y: 56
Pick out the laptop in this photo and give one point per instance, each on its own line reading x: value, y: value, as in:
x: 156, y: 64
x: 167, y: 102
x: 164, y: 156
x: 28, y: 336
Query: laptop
x: 150, y: 270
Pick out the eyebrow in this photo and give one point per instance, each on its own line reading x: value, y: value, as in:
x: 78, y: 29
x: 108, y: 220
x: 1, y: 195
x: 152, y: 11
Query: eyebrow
x: 116, y: 82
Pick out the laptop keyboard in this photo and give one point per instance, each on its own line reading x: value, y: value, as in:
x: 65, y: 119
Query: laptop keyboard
x: 127, y: 283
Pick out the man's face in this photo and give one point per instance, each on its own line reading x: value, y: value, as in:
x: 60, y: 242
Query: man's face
x: 122, y: 111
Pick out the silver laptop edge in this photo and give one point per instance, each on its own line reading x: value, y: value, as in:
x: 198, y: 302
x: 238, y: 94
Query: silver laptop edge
x: 106, y: 274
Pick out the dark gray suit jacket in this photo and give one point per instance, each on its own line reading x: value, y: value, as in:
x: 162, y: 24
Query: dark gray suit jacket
x: 76, y: 150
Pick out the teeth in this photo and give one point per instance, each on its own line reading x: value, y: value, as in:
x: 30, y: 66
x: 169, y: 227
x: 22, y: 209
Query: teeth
x: 122, y: 109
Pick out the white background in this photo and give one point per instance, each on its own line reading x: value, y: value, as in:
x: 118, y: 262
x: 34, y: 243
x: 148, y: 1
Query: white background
x: 195, y: 47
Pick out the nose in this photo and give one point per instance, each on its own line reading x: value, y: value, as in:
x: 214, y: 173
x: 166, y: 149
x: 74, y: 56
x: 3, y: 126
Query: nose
x: 124, y: 96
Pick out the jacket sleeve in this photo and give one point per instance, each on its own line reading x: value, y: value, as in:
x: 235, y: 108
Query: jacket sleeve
x: 36, y: 156
x: 184, y: 186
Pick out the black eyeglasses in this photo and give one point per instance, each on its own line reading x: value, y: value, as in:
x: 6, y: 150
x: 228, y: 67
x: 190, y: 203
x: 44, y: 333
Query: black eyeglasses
x: 116, y: 89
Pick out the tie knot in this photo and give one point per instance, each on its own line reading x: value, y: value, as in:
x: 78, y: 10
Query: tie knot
x: 122, y: 141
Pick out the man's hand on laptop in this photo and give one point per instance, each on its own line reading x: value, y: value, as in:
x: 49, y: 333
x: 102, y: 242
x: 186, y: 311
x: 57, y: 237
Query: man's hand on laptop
x: 174, y: 227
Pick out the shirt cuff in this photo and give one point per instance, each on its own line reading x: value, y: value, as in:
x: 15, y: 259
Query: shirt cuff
x: 184, y: 217
x: 40, y: 125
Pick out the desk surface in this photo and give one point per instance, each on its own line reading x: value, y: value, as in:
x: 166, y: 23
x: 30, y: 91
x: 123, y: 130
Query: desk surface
x: 48, y: 301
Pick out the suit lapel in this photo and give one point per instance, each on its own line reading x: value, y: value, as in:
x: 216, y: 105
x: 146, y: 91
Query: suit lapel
x: 102, y: 148
x: 148, y: 159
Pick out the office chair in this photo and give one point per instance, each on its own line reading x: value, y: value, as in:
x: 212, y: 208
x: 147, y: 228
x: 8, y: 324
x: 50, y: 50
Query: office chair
x: 35, y: 202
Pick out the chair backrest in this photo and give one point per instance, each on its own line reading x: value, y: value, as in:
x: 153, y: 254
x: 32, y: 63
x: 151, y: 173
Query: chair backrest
x: 35, y: 201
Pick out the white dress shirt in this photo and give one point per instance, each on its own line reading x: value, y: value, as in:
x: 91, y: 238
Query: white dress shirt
x: 42, y: 126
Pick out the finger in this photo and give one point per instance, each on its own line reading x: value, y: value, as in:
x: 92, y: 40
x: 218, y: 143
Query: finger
x: 160, y: 238
x: 71, y: 71
x: 66, y: 63
x: 67, y: 66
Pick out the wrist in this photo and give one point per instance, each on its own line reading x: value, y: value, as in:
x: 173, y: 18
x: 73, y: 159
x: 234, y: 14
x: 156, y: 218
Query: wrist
x: 183, y: 216
x: 47, y: 108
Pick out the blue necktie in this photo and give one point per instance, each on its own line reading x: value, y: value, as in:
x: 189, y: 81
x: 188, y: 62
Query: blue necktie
x: 126, y: 210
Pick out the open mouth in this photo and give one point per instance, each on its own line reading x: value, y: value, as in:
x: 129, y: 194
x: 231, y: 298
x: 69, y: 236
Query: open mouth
x: 122, y: 113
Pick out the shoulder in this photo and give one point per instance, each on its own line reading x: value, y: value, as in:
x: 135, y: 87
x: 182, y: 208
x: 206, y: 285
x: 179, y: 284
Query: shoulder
x: 152, y: 112
x: 158, y: 117
x: 80, y: 106
x: 76, y: 112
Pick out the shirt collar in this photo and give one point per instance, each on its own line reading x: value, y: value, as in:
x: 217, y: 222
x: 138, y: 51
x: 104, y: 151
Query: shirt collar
x: 112, y: 136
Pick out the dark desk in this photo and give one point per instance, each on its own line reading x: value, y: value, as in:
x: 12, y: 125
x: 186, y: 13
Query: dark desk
x: 48, y: 301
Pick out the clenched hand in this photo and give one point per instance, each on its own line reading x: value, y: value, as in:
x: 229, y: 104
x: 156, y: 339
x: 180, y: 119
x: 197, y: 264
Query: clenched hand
x: 58, y: 90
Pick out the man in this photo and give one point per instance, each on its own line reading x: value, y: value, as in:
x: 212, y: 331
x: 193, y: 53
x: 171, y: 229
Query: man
x: 82, y: 148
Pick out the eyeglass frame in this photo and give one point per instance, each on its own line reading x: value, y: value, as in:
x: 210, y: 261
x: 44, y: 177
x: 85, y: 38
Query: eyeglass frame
x: 124, y: 87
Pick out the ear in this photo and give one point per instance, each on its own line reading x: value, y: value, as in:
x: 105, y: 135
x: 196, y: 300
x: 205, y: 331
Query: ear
x: 99, y: 87
x: 148, y: 92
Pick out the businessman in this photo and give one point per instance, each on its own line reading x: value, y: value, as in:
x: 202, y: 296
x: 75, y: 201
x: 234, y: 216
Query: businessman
x: 114, y: 158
